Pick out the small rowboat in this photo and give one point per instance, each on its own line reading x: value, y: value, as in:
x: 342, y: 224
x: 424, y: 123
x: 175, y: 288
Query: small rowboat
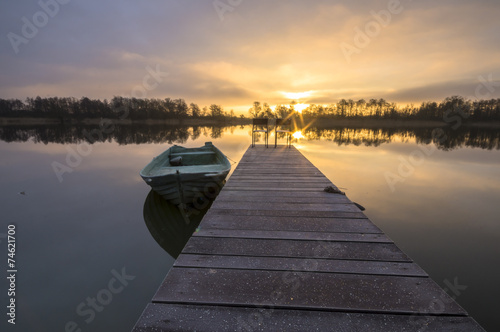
x: 183, y: 176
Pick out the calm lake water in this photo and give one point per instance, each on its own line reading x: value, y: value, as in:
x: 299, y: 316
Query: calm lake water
x: 85, y: 237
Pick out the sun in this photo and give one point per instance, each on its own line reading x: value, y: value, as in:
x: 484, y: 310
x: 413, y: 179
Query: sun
x: 300, y: 107
x: 297, y: 135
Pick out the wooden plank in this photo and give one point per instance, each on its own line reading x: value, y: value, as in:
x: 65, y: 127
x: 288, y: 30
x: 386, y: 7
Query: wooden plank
x: 276, y: 189
x: 279, y: 174
x: 315, y: 195
x: 291, y: 235
x: 279, y: 213
x: 292, y: 186
x: 271, y: 179
x: 295, y: 248
x: 275, y: 170
x: 262, y: 157
x: 297, y: 224
x: 341, y: 207
x: 270, y: 159
x: 319, y: 185
x: 276, y: 165
x: 300, y: 264
x: 306, y: 290
x: 282, y: 162
x: 306, y: 189
x: 279, y: 170
x: 273, y: 162
x: 333, y: 199
x: 182, y: 318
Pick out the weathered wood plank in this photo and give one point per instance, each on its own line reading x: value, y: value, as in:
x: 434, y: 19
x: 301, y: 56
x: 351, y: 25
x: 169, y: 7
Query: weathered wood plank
x: 183, y: 318
x: 258, y: 159
x: 269, y: 164
x: 263, y: 188
x: 333, y: 199
x: 281, y: 162
x: 297, y: 224
x: 306, y: 290
x: 295, y: 248
x: 319, y: 185
x: 279, y: 174
x: 271, y: 213
x: 300, y: 264
x: 272, y: 179
x: 290, y: 235
x: 277, y: 167
x: 292, y: 186
x: 270, y: 159
x: 341, y: 207
x: 315, y: 195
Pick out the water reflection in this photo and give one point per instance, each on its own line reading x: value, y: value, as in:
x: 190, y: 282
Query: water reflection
x: 123, y: 135
x: 484, y: 138
x: 167, y: 225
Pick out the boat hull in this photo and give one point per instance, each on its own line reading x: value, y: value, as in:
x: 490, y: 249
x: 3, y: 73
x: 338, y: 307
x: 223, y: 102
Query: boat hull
x: 190, y: 189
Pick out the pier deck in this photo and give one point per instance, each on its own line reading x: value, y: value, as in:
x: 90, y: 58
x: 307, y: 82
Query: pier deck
x: 277, y: 253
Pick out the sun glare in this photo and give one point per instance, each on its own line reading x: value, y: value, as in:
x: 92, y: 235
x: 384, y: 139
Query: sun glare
x: 297, y: 135
x: 297, y: 95
x: 300, y: 107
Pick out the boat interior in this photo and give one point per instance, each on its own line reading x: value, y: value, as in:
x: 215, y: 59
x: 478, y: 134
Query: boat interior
x: 193, y: 158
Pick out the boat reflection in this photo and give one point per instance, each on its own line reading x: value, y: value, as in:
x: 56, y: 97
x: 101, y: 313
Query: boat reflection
x: 168, y: 225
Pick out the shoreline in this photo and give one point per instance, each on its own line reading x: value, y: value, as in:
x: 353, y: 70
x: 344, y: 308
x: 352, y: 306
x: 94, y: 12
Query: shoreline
x: 318, y: 123
x: 188, y: 121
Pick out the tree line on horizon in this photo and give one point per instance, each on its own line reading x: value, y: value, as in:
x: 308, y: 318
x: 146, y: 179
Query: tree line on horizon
x: 142, y: 109
x: 118, y: 107
x: 478, y: 110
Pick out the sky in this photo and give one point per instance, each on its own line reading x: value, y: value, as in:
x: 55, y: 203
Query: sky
x: 234, y: 52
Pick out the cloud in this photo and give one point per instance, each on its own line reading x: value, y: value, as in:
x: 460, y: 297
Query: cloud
x: 100, y: 49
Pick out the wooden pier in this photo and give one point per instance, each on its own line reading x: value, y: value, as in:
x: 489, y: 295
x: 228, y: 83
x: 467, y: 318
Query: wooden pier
x: 277, y: 253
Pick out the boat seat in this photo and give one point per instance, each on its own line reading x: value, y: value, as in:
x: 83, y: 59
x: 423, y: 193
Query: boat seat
x: 177, y: 161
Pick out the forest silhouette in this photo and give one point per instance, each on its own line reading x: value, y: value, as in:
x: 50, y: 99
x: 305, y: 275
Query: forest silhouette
x: 69, y: 108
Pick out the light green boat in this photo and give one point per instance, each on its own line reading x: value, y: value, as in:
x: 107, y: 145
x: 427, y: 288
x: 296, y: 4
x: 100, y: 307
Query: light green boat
x: 183, y: 176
